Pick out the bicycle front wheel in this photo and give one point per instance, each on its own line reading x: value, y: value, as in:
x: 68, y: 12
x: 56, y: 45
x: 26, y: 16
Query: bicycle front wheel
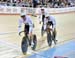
x: 24, y: 45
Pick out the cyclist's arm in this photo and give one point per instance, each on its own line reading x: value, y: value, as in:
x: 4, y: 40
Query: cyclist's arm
x: 19, y: 25
x: 39, y: 16
x: 54, y: 21
x: 30, y: 21
x: 30, y: 24
x: 45, y: 23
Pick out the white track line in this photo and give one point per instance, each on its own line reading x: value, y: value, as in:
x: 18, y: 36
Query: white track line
x: 9, y: 44
x: 5, y: 33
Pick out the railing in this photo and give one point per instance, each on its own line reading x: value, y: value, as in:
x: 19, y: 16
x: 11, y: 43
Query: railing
x: 34, y: 11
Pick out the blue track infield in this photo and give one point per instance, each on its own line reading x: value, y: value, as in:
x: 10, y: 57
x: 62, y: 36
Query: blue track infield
x: 65, y: 50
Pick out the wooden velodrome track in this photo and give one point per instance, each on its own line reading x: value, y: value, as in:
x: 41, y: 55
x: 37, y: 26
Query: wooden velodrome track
x: 10, y: 41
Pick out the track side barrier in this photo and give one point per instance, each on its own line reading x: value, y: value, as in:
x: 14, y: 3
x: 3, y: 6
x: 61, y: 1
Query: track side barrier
x: 33, y: 11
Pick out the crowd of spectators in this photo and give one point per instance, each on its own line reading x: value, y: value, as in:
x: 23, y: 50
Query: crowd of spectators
x: 36, y: 3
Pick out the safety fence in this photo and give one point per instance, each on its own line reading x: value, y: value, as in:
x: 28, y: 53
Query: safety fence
x: 17, y: 10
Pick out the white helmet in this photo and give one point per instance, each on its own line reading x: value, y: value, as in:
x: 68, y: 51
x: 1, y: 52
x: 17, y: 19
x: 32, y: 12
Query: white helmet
x: 46, y: 15
x: 23, y: 14
x: 42, y: 8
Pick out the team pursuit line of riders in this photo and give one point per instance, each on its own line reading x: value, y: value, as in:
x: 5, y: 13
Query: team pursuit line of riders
x: 48, y: 25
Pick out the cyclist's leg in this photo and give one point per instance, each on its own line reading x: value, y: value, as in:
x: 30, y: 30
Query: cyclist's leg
x: 42, y: 30
x: 54, y: 32
x: 33, y: 39
x: 30, y: 35
x: 34, y: 42
x: 26, y: 29
x: 54, y: 35
x: 30, y: 38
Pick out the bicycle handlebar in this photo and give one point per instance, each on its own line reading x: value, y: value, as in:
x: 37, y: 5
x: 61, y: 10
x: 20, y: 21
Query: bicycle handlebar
x: 20, y: 33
